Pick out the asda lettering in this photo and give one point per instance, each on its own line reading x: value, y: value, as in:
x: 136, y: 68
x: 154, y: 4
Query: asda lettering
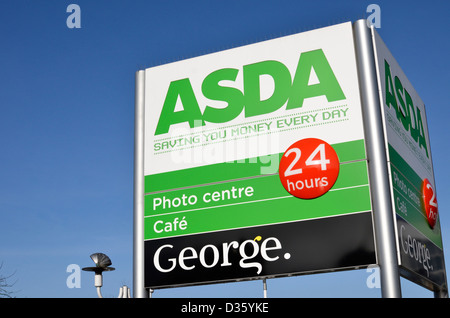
x: 408, y: 115
x: 291, y: 90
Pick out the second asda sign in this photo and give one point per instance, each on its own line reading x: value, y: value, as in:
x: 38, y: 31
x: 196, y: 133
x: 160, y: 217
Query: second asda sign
x: 250, y: 151
x: 414, y: 199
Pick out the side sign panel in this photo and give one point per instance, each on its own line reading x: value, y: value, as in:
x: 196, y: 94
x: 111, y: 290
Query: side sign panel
x: 411, y: 173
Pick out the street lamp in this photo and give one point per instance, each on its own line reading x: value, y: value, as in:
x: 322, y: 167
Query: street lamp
x: 102, y: 264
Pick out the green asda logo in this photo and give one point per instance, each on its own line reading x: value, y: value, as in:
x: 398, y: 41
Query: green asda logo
x: 408, y: 115
x: 286, y: 89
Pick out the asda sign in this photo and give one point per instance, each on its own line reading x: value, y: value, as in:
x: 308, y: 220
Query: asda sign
x: 289, y: 90
x: 248, y: 151
x: 413, y: 191
x: 229, y: 187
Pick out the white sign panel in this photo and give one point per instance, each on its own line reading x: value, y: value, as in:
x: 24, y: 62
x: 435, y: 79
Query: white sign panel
x: 216, y: 127
x: 253, y: 100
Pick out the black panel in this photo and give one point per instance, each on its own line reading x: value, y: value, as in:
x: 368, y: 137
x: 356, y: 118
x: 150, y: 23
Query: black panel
x: 422, y: 260
x: 282, y: 249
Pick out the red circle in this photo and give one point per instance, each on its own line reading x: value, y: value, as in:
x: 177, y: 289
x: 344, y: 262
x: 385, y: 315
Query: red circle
x: 309, y: 168
x: 429, y: 202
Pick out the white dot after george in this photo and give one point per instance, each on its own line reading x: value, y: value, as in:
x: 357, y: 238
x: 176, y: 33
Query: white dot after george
x: 287, y: 256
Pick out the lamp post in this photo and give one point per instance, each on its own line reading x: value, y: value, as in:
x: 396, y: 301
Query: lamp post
x: 102, y: 264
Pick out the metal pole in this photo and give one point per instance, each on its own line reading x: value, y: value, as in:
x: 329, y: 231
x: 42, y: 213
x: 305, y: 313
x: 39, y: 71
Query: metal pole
x: 265, y: 288
x: 441, y: 293
x: 139, y: 290
x: 377, y: 162
x: 98, y: 284
x: 124, y: 292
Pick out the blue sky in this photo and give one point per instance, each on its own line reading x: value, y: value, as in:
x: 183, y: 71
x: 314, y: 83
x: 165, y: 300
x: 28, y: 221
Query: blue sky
x: 67, y: 125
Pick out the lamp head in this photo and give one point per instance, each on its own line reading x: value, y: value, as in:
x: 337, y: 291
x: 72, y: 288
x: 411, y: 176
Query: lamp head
x: 102, y: 263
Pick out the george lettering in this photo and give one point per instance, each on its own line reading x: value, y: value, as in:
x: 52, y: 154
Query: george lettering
x: 250, y: 253
x: 416, y: 250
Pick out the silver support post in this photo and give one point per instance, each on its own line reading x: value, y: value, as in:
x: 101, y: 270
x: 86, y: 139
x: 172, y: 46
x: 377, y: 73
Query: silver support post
x: 139, y: 291
x: 377, y: 163
x: 99, y: 284
x: 265, y: 288
x: 441, y: 293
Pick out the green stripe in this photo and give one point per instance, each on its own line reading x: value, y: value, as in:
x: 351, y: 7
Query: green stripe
x: 262, y: 212
x: 265, y: 187
x: 269, y: 203
x: 405, y: 169
x: 348, y: 151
